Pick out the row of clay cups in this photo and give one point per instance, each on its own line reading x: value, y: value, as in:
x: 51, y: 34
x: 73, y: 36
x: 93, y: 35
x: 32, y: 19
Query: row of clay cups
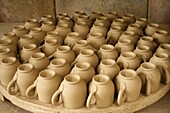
x: 46, y: 93
x: 88, y: 55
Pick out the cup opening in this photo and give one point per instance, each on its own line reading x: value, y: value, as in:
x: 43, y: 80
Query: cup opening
x: 62, y: 14
x: 147, y: 38
x: 83, y: 16
x: 47, y: 23
x: 30, y: 47
x: 4, y: 50
x: 95, y: 35
x: 148, y: 66
x: 118, y: 20
x: 161, y: 32
x: 108, y: 62
x: 98, y: 24
x: 64, y: 18
x: 165, y: 46
x: 82, y: 65
x: 117, y: 28
x: 135, y: 25
x: 142, y: 48
x: 142, y: 19
x: 58, y: 62
x: 26, y: 37
x: 129, y: 33
x: 96, y: 12
x: 25, y: 67
x: 8, y: 60
x: 62, y: 25
x: 51, y: 41
x: 79, y: 12
x: 81, y: 42
x: 161, y: 55
x: 128, y: 73
x: 63, y: 48
x: 53, y: 33
x: 153, y: 25
x: 36, y: 29
x: 112, y: 13
x: 38, y: 55
x: 5, y: 42
x: 79, y: 23
x: 101, y: 79
x: 47, y: 73
x: 125, y: 41
x: 107, y: 47
x: 102, y: 18
x: 20, y: 27
x: 9, y: 34
x: 73, y: 34
x: 72, y: 78
x: 46, y: 16
x: 128, y: 55
x: 87, y: 52
x: 32, y: 21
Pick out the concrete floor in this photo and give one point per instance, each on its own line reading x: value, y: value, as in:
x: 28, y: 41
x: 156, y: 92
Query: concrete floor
x: 161, y: 106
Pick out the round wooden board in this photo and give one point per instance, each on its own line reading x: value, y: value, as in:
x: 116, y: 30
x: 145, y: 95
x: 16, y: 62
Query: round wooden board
x: 34, y: 105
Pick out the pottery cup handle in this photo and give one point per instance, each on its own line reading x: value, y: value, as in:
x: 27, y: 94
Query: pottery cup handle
x: 148, y: 84
x: 51, y: 56
x: 144, y: 58
x: 54, y: 99
x: 31, y: 91
x: 91, y: 47
x: 167, y: 73
x: 107, y: 39
x: 74, y: 62
x: 125, y: 65
x: 91, y: 95
x: 12, y: 84
x: 122, y: 50
x: 121, y: 95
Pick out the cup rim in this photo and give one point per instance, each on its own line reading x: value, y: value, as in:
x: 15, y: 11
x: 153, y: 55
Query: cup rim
x: 128, y: 55
x: 4, y: 50
x: 165, y: 46
x: 47, y: 74
x: 9, y: 34
x: 72, y: 78
x: 64, y: 49
x: 82, y: 65
x: 86, y: 52
x: 5, y: 42
x: 107, y: 47
x: 8, y: 60
x: 52, y: 33
x: 26, y: 36
x: 126, y: 71
x: 58, y: 62
x: 100, y: 79
x: 148, y: 66
x: 81, y: 42
x: 29, y: 47
x: 37, y: 55
x: 27, y: 67
x: 161, y: 55
x: 108, y: 62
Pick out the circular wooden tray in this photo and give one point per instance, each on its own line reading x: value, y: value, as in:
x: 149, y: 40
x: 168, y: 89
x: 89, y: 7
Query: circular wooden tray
x: 34, y: 105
